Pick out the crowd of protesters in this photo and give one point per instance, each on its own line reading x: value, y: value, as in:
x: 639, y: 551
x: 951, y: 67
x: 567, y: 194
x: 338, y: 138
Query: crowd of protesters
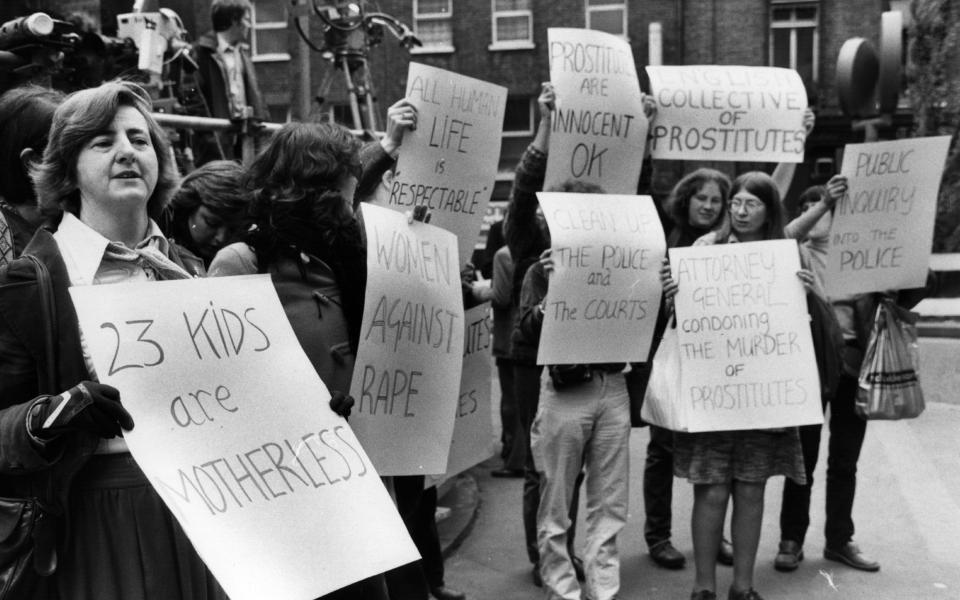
x: 91, y: 195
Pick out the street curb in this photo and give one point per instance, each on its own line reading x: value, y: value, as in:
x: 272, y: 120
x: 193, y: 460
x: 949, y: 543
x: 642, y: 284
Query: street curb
x: 461, y: 495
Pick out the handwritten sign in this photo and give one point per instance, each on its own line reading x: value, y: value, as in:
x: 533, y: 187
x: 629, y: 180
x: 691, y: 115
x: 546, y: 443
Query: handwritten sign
x: 272, y: 488
x: 605, y: 290
x: 598, y: 129
x: 746, y: 352
x: 449, y: 163
x: 719, y: 112
x: 882, y: 230
x: 407, y: 376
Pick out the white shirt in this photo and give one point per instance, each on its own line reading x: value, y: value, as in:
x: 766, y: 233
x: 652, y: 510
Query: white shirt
x: 237, y: 94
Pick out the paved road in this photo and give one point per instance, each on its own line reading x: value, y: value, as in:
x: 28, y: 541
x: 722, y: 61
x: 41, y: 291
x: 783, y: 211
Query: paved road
x: 907, y: 516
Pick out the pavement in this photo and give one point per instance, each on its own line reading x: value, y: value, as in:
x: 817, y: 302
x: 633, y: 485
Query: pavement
x: 907, y: 514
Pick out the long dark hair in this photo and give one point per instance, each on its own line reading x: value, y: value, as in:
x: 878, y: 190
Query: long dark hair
x: 678, y: 204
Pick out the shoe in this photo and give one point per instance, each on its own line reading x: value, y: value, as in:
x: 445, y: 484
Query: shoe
x: 703, y: 595
x: 725, y: 553
x: 750, y: 594
x: 668, y: 557
x: 578, y: 568
x: 789, y: 556
x: 507, y: 473
x: 850, y: 555
x: 444, y: 593
x: 537, y: 578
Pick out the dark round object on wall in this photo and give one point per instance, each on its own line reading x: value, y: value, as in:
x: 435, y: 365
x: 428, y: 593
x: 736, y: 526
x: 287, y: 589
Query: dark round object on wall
x: 857, y: 71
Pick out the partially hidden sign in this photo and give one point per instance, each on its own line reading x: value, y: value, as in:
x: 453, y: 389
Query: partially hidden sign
x: 746, y: 352
x: 407, y: 376
x: 881, y: 235
x: 604, y: 294
x: 598, y: 130
x: 449, y: 162
x: 721, y: 112
x: 234, y: 431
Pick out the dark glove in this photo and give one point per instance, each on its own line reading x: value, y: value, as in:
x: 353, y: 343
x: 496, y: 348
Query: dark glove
x: 341, y: 403
x: 89, y: 406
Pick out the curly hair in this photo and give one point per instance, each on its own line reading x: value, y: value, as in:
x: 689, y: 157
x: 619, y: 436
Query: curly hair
x: 80, y: 118
x: 25, y: 116
x: 678, y: 203
x: 763, y: 187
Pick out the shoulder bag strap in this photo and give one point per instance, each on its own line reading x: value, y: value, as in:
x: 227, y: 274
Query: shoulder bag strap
x: 48, y: 309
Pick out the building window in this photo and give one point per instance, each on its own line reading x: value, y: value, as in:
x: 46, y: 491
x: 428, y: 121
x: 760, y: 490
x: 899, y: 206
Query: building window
x: 794, y: 38
x: 269, y: 35
x: 512, y: 24
x: 433, y: 26
x: 518, y: 116
x: 607, y: 15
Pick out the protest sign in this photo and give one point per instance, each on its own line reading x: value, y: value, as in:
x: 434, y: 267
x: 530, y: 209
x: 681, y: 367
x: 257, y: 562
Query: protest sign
x: 598, y: 129
x: 604, y: 294
x: 234, y: 431
x: 407, y: 376
x: 449, y: 162
x: 722, y: 112
x: 746, y: 352
x: 881, y: 235
x: 473, y: 439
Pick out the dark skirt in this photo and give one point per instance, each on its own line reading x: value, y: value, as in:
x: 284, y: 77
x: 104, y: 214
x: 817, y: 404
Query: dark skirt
x: 751, y: 456
x: 124, y: 544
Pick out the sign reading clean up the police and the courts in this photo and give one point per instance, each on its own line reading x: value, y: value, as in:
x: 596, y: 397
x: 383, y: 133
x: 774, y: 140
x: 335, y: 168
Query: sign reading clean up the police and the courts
x: 598, y: 130
x: 604, y: 294
x: 407, y: 375
x: 449, y: 162
x: 725, y: 112
x: 234, y: 431
x: 881, y: 235
x: 746, y: 352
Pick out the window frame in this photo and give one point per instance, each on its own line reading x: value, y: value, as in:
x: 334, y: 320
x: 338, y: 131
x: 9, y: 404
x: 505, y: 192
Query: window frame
x: 496, y: 44
x: 417, y: 16
x: 613, y: 5
x: 515, y: 133
x: 793, y: 25
x: 266, y: 26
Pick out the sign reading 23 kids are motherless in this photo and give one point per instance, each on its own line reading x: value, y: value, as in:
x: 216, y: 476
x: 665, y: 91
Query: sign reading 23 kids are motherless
x: 449, y: 162
x: 882, y: 230
x: 719, y: 112
x: 234, y: 431
x: 598, y: 130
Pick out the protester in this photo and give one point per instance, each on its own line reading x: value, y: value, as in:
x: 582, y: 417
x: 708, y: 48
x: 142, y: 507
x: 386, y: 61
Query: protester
x: 25, y: 116
x: 737, y: 464
x: 209, y: 209
x: 106, y: 174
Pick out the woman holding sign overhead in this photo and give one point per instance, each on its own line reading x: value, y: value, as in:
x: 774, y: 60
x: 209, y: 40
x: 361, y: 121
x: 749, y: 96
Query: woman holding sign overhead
x: 736, y: 464
x: 106, y: 174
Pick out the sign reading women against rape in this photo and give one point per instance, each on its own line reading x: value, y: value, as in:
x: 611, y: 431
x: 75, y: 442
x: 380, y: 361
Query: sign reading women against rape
x: 598, y: 132
x: 604, y: 293
x: 746, y: 352
x: 449, y: 162
x: 719, y: 112
x: 882, y: 230
x: 234, y: 431
x: 406, y: 381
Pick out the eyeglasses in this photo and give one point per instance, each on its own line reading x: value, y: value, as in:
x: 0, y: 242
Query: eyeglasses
x: 750, y: 204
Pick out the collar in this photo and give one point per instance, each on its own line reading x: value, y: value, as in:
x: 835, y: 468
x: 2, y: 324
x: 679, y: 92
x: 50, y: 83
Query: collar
x: 82, y: 247
x: 224, y: 46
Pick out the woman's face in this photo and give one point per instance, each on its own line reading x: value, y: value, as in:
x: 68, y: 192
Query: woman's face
x: 748, y: 214
x: 208, y: 231
x: 705, y: 206
x: 118, y: 167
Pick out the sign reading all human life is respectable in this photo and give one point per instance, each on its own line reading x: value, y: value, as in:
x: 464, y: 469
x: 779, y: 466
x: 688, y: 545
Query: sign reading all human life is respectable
x: 746, y: 352
x: 725, y: 112
x: 881, y: 235
x: 406, y: 381
x: 449, y: 162
x: 234, y: 431
x: 598, y: 128
x: 605, y: 290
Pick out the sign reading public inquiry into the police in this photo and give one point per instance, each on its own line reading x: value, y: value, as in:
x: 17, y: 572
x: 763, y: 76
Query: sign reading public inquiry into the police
x: 407, y: 375
x: 598, y: 129
x: 449, y: 162
x: 234, y: 431
x: 881, y: 235
x: 746, y: 352
x: 605, y: 290
x: 725, y: 112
